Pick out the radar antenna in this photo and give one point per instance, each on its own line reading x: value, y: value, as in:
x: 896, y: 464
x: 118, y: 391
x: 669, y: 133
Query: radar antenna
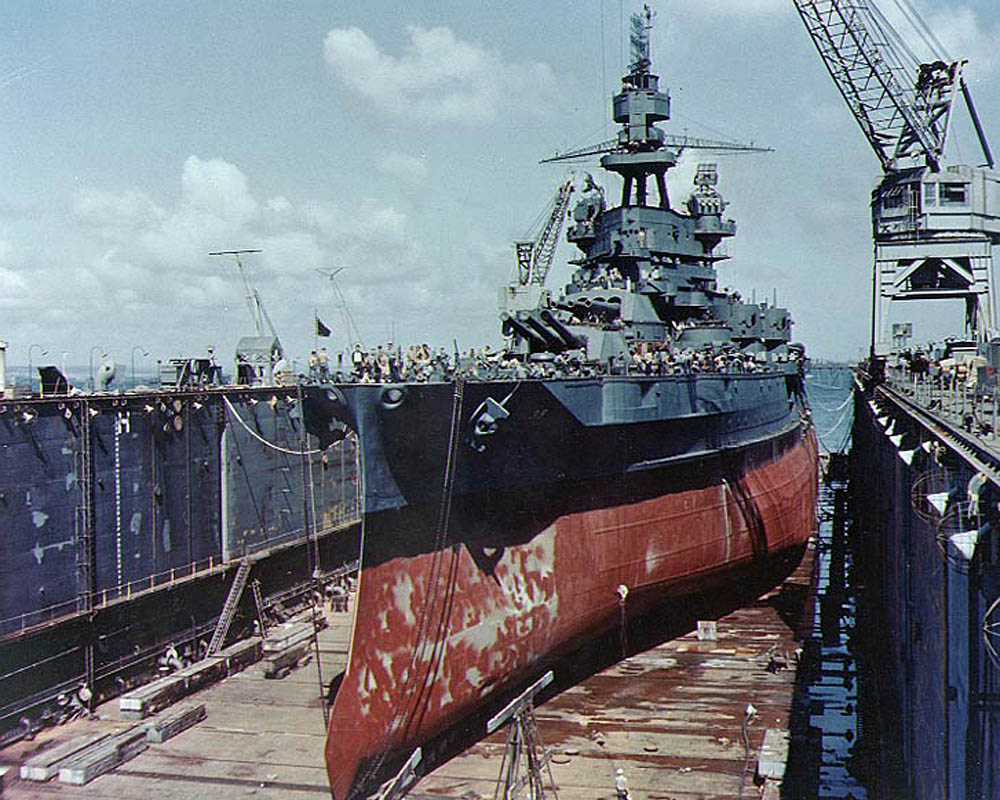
x: 256, y: 306
x: 643, y: 151
x: 641, y: 25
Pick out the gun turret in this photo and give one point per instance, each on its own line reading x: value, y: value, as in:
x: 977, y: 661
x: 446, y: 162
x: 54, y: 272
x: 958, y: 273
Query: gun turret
x: 513, y: 326
x: 573, y: 342
x: 552, y: 341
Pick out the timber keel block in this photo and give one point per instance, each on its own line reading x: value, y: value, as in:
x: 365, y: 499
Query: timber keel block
x: 103, y: 757
x: 278, y: 665
x: 170, y: 723
x: 151, y: 698
x: 46, y: 764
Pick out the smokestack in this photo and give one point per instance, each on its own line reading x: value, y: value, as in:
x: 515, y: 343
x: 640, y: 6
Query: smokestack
x: 3, y: 368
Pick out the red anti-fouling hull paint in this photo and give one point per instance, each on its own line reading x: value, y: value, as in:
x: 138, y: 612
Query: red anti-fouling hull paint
x: 437, y: 636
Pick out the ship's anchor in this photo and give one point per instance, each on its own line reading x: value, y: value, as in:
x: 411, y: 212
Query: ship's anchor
x: 486, y: 421
x: 523, y: 757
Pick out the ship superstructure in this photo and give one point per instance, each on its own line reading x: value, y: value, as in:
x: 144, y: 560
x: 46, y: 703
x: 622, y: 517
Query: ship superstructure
x: 646, y: 272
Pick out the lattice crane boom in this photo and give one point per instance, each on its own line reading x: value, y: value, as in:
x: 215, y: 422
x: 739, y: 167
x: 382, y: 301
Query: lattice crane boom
x: 934, y: 228
x: 900, y: 119
x: 534, y: 257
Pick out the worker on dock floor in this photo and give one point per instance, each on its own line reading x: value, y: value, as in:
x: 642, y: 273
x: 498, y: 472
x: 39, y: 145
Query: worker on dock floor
x: 621, y: 785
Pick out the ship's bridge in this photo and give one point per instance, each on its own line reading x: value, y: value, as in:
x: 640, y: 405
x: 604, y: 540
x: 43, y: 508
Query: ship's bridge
x: 645, y: 231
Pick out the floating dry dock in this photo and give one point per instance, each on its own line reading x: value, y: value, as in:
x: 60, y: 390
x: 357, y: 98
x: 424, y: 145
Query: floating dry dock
x: 670, y: 717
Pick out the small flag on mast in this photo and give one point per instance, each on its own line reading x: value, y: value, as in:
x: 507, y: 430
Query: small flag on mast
x: 321, y: 329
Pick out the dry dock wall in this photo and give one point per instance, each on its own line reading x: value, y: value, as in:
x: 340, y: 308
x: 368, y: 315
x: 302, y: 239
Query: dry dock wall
x: 929, y: 708
x: 123, y: 516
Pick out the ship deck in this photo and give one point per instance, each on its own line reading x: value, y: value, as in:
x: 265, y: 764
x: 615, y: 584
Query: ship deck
x: 671, y: 717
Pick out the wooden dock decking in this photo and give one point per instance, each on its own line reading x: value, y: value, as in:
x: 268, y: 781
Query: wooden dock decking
x: 670, y: 717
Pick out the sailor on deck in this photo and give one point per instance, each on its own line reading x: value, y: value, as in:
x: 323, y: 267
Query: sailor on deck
x: 323, y: 363
x: 357, y: 360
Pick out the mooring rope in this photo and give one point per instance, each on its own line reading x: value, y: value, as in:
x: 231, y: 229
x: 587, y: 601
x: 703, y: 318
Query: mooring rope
x: 828, y: 409
x: 261, y: 439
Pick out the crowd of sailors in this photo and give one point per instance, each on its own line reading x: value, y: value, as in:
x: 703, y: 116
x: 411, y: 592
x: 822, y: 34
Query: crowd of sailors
x: 943, y: 372
x: 422, y: 364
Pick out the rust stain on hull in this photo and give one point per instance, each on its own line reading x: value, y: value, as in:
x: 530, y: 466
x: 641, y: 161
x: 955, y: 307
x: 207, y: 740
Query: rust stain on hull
x: 671, y: 716
x: 439, y: 635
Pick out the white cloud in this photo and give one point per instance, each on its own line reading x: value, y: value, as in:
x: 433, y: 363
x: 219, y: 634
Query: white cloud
x: 293, y: 252
x: 401, y: 165
x: 217, y: 188
x: 13, y: 288
x: 965, y: 36
x: 214, y: 212
x: 743, y: 7
x: 279, y: 204
x: 438, y: 78
x: 156, y: 275
x: 114, y: 214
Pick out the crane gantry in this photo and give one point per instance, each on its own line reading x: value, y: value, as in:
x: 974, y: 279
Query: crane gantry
x: 934, y: 223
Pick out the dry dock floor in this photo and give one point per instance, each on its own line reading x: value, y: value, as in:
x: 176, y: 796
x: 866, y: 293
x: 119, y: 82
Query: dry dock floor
x: 671, y: 717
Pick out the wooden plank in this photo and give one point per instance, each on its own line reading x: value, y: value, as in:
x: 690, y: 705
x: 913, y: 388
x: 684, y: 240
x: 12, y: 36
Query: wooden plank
x: 44, y: 765
x: 103, y: 757
x: 143, y: 701
x: 169, y: 724
x: 773, y: 754
x: 201, y: 673
x: 148, y: 699
x: 279, y: 664
x: 241, y: 655
x: 288, y: 635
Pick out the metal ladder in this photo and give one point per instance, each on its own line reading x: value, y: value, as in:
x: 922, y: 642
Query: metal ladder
x: 229, y: 607
x: 85, y: 558
x: 258, y: 602
x: 85, y: 515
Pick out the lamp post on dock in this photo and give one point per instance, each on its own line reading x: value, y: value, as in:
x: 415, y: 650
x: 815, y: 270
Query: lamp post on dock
x: 145, y: 354
x: 103, y: 355
x: 31, y: 375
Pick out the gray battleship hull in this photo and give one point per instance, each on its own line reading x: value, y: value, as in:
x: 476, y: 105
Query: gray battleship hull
x: 507, y: 524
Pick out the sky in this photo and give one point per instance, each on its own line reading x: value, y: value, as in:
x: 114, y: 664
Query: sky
x: 399, y: 144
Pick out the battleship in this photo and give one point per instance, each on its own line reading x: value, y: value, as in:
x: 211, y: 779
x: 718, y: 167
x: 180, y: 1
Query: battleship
x: 642, y: 441
x: 130, y: 516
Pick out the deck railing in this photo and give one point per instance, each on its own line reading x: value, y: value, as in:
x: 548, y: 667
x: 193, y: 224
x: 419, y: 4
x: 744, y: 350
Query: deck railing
x: 341, y: 518
x: 964, y: 404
